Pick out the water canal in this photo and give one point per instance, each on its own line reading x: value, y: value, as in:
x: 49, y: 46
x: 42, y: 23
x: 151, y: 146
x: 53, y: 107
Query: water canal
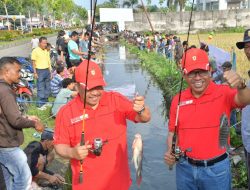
x: 124, y: 73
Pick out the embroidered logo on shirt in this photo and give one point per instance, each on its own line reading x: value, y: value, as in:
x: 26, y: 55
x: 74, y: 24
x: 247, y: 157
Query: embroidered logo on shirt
x: 186, y: 102
x: 92, y: 72
x: 79, y: 118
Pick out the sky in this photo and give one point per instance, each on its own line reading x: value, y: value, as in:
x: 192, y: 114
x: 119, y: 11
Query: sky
x: 86, y: 3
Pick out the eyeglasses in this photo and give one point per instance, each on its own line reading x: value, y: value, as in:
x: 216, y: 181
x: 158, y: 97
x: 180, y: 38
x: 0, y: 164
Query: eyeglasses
x: 201, y: 73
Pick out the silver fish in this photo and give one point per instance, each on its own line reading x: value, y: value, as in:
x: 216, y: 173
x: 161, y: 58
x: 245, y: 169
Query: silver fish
x: 137, y: 157
x: 224, y: 132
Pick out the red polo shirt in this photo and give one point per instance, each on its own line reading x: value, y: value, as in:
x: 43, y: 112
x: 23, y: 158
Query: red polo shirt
x: 199, y: 120
x: 110, y: 171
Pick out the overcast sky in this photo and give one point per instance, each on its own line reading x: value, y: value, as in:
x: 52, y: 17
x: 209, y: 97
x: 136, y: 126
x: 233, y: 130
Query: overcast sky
x: 86, y: 3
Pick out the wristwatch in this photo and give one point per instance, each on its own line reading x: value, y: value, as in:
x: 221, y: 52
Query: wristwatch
x: 242, y: 85
x: 142, y: 110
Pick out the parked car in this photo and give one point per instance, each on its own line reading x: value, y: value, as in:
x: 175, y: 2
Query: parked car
x: 23, y: 28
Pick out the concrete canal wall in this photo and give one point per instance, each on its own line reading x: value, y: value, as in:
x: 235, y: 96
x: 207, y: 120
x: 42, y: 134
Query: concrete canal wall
x: 178, y: 22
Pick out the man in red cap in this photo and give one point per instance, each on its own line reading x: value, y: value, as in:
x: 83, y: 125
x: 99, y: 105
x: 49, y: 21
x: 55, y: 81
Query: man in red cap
x: 205, y: 164
x: 105, y: 166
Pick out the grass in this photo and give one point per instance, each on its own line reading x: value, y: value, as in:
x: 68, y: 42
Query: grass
x: 225, y: 41
x: 44, y: 115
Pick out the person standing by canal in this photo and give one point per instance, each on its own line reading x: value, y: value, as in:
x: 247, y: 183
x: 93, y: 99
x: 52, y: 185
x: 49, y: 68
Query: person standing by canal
x: 245, y: 125
x: 84, y: 44
x: 205, y: 165
x: 42, y: 71
x: 13, y: 160
x: 105, y: 122
x: 73, y: 49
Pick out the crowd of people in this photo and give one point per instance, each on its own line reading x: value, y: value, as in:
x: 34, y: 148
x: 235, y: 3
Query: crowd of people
x: 90, y: 123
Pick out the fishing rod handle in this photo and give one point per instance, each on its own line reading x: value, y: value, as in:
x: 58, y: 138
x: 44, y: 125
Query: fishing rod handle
x: 82, y: 139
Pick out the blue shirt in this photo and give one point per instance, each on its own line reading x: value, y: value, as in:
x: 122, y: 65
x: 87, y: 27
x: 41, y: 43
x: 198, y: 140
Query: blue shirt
x: 61, y: 99
x: 245, y: 126
x: 56, y: 85
x: 84, y: 45
x: 73, y: 45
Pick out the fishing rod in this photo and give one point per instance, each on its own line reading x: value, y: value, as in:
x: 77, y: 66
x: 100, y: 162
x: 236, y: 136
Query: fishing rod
x: 82, y: 142
x: 176, y: 151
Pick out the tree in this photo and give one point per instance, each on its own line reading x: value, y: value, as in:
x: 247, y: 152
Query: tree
x: 81, y: 12
x: 5, y: 2
x: 130, y: 3
x: 172, y: 4
x: 113, y: 3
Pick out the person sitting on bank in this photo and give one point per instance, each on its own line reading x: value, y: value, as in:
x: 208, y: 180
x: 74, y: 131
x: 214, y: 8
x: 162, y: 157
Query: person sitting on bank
x: 65, y: 94
x: 39, y: 155
x: 56, y: 82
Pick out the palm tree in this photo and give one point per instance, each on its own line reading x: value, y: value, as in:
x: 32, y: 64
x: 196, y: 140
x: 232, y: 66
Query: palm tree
x: 114, y: 3
x: 130, y: 3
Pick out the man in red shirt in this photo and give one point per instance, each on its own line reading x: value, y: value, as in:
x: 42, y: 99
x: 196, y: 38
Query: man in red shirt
x: 105, y: 118
x: 206, y: 165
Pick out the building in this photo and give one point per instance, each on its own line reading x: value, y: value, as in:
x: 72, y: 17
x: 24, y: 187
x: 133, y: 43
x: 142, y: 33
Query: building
x: 209, y: 5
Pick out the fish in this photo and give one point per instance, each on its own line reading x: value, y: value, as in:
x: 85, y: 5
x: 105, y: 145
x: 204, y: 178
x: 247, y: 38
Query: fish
x: 137, y: 148
x: 224, y: 132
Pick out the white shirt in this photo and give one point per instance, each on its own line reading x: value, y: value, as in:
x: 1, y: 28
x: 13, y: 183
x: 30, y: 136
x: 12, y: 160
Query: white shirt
x: 34, y: 42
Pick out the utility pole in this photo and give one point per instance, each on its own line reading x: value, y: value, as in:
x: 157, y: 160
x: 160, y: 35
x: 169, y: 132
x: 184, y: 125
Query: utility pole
x: 30, y: 22
x: 146, y: 13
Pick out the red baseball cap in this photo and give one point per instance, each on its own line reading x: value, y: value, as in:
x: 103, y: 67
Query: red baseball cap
x: 194, y: 58
x: 95, y: 77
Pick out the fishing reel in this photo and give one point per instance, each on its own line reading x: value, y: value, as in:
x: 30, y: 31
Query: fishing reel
x: 97, y: 147
x: 177, y: 153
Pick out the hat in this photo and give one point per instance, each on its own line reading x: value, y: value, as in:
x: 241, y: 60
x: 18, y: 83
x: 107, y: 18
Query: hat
x: 195, y: 58
x: 226, y: 65
x: 246, y: 39
x: 47, y: 134
x: 95, y: 77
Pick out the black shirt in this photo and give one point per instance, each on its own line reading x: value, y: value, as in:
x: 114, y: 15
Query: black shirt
x: 33, y: 151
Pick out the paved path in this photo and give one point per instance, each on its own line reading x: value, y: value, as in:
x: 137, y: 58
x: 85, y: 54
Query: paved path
x: 22, y: 50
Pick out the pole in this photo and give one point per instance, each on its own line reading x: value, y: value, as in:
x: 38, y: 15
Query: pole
x: 30, y: 22
x: 21, y: 22
x: 91, y: 9
x: 145, y: 10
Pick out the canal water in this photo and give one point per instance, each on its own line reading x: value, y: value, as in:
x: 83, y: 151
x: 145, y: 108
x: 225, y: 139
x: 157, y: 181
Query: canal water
x: 123, y: 73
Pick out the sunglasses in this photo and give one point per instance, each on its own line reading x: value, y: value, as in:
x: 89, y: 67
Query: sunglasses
x: 201, y: 73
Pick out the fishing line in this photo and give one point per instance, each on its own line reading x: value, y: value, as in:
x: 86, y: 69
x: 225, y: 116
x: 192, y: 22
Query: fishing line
x: 82, y: 142
x: 176, y: 127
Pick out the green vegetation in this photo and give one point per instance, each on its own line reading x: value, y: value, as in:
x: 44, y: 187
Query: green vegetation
x: 6, y: 35
x: 239, y: 175
x: 44, y: 115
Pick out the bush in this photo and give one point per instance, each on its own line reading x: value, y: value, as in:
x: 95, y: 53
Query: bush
x: 6, y: 35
